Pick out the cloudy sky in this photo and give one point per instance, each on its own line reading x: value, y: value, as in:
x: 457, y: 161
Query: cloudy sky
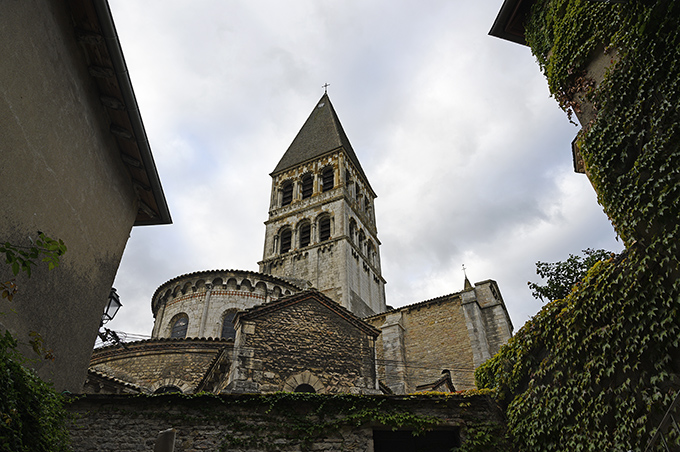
x: 456, y: 131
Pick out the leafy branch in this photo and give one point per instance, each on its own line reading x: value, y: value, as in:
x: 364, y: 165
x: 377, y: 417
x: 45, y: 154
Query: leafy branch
x: 22, y: 258
x: 562, y: 276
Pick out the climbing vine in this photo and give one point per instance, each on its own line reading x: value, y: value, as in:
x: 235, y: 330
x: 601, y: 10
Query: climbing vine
x: 32, y: 414
x: 597, y: 370
x: 283, y: 420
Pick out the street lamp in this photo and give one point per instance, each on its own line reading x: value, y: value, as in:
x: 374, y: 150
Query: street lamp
x: 112, y: 307
x: 110, y: 311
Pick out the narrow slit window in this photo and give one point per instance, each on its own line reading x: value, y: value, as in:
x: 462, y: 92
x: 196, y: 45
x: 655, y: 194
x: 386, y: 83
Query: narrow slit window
x: 307, y: 186
x: 328, y: 179
x: 228, y: 330
x: 324, y: 229
x: 305, y: 233
x: 287, y: 194
x: 285, y: 240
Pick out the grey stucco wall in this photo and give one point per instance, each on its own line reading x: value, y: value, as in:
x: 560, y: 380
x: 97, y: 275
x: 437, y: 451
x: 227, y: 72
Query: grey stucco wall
x: 60, y: 173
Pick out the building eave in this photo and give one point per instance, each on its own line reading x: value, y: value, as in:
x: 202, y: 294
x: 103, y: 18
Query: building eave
x: 97, y: 35
x: 509, y: 23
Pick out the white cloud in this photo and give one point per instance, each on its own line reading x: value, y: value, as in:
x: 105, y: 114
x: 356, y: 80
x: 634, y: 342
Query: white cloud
x: 468, y: 154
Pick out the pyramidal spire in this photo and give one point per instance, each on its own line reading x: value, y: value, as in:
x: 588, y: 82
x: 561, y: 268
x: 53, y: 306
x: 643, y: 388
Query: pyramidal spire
x: 321, y: 134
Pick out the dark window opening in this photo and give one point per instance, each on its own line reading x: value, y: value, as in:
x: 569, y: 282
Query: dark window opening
x: 305, y: 233
x: 307, y: 186
x: 361, y: 240
x: 287, y: 194
x: 285, y: 240
x: 228, y: 330
x: 324, y: 229
x: 179, y: 328
x: 167, y: 390
x: 304, y: 387
x: 328, y: 178
x: 404, y: 440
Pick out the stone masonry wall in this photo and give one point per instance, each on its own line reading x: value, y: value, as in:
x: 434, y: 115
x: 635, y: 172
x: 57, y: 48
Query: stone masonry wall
x: 341, y: 268
x: 157, y: 363
x: 282, y: 422
x: 307, y: 336
x: 435, y: 337
x: 205, y: 297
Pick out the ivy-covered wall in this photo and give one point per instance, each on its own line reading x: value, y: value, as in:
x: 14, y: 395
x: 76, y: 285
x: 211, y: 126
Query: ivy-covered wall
x: 597, y: 370
x: 284, y: 422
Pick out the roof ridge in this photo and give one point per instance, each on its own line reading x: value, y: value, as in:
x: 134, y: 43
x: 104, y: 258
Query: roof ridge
x: 322, y: 299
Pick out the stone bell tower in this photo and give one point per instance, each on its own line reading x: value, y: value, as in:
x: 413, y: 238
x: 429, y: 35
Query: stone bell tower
x: 321, y: 228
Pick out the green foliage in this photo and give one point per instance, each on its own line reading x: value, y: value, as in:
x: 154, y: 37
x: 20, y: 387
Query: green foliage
x: 484, y: 437
x: 22, y: 258
x: 32, y: 415
x: 597, y: 370
x: 563, y: 276
x: 278, y: 420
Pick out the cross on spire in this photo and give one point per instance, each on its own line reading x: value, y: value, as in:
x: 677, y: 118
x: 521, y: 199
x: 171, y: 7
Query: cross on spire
x: 325, y: 87
x: 466, y: 283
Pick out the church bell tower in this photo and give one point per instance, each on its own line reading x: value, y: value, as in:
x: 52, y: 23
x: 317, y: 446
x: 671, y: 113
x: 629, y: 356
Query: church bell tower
x: 321, y: 228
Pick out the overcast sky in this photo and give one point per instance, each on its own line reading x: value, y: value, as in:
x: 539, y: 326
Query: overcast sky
x: 456, y: 131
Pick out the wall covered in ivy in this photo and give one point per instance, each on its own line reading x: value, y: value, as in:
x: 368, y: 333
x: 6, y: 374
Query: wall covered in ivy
x: 597, y: 370
x: 287, y: 422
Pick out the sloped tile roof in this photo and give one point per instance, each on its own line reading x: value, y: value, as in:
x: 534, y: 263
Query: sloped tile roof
x: 322, y: 133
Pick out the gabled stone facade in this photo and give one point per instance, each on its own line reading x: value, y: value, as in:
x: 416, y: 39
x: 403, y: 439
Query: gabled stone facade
x: 305, y: 339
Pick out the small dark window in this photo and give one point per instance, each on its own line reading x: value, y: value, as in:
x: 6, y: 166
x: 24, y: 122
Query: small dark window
x: 324, y: 229
x: 307, y: 186
x: 179, y: 328
x: 167, y: 390
x: 305, y: 233
x: 285, y: 240
x: 328, y: 178
x: 287, y: 194
x: 304, y: 387
x: 352, y: 229
x: 370, y: 251
x: 228, y: 330
x: 432, y: 441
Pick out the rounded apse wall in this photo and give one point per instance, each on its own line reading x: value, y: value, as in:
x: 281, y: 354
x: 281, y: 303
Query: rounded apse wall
x: 196, y: 304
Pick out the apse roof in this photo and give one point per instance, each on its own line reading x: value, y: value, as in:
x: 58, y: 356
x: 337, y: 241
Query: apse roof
x: 322, y: 133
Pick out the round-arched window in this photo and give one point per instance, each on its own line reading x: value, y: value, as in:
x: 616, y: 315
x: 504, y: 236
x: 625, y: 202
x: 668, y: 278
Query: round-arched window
x: 228, y: 330
x: 327, y: 178
x: 286, y: 238
x: 286, y: 193
x: 304, y: 387
x: 324, y: 228
x: 305, y: 233
x: 179, y: 327
x: 307, y: 186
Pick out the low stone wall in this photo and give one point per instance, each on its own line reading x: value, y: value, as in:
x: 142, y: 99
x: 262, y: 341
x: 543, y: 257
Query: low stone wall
x: 281, y: 421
